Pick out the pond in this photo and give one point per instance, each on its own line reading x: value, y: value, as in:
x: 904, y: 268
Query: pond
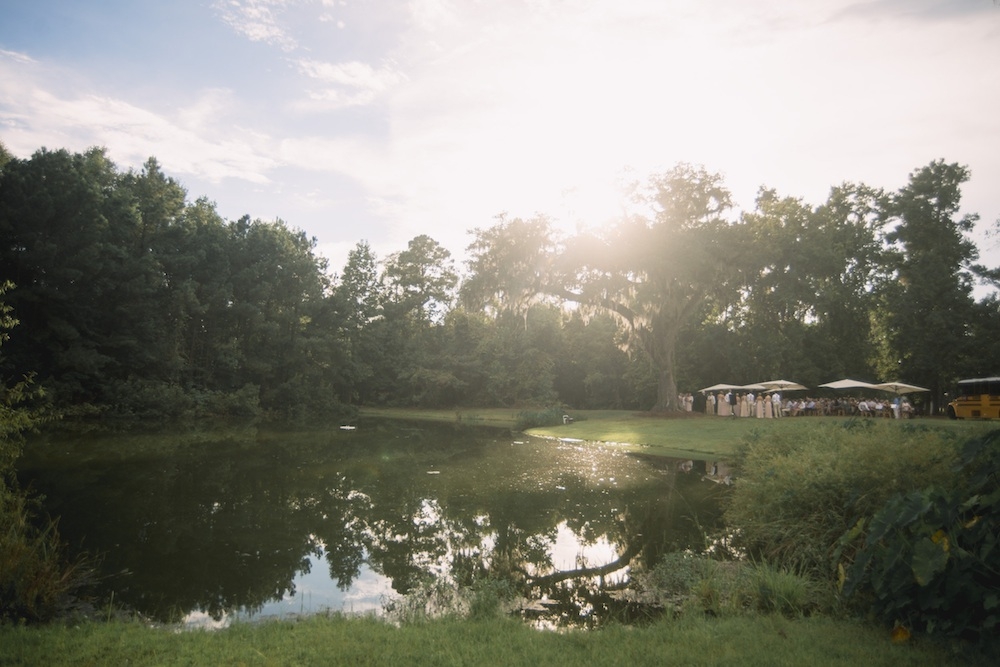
x: 205, y: 527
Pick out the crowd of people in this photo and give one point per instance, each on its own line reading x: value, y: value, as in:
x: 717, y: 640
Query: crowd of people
x: 769, y: 405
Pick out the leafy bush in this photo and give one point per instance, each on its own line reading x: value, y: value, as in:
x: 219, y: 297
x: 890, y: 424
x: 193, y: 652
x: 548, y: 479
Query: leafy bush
x: 300, y: 401
x: 35, y: 583
x: 930, y: 559
x: 146, y: 400
x: 242, y: 403
x: 152, y: 401
x: 534, y: 418
x: 676, y: 573
x: 794, y: 498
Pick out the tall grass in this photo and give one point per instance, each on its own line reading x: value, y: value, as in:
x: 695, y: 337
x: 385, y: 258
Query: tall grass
x: 700, y: 585
x: 36, y: 583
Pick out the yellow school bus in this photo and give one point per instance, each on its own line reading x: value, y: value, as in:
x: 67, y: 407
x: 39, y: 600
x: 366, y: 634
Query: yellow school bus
x: 977, y: 398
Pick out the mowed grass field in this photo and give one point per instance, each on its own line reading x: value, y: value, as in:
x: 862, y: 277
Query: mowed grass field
x: 689, y: 436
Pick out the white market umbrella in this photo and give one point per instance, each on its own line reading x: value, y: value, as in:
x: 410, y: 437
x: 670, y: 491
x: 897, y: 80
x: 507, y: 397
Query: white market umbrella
x: 753, y: 387
x: 900, y: 387
x: 782, y: 385
x: 847, y: 383
x: 721, y: 387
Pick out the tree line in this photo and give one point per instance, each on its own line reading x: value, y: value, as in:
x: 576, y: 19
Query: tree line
x: 135, y: 302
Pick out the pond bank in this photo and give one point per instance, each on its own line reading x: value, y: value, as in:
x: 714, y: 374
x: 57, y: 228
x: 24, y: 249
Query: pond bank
x: 694, y: 436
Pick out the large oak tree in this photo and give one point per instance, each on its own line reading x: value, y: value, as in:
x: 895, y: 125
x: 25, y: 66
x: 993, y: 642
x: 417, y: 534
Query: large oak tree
x: 655, y: 270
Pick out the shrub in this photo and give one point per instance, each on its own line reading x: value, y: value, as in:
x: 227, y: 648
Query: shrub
x: 491, y: 598
x: 36, y: 584
x: 535, y: 418
x: 793, y: 499
x: 147, y: 400
x: 241, y: 403
x: 930, y: 559
x: 726, y: 588
x: 676, y: 573
x: 783, y: 592
x: 299, y: 400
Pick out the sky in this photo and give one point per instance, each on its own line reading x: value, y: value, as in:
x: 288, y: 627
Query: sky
x: 380, y: 120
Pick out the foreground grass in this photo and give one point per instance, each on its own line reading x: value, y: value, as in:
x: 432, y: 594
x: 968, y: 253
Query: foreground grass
x: 336, y: 640
x: 698, y: 436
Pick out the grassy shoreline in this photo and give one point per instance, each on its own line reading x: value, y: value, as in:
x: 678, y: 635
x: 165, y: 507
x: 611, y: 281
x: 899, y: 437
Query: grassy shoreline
x: 695, y: 436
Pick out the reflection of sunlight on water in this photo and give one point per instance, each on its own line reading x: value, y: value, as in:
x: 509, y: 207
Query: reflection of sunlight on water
x: 570, y: 551
x: 315, y: 593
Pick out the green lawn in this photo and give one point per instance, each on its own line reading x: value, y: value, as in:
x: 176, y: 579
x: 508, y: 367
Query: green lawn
x: 697, y: 436
x: 744, y: 640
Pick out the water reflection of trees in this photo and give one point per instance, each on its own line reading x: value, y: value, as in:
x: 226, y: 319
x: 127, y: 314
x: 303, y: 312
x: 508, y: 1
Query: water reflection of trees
x: 222, y: 524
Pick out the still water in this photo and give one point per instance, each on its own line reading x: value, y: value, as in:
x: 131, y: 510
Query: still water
x: 201, y: 528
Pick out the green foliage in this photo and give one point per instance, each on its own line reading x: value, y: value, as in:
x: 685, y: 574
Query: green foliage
x: 536, y: 418
x: 421, y: 279
x: 727, y: 588
x: 656, y: 273
x: 122, y: 282
x: 36, y: 584
x: 141, y: 304
x: 676, y: 573
x: 509, y: 266
x: 593, y: 372
x: 491, y: 597
x: 142, y: 400
x: 138, y: 400
x: 20, y: 408
x: 797, y: 492
x: 930, y: 305
x: 297, y: 400
x: 244, y: 403
x: 930, y: 558
x: 779, y: 591
x: 811, y: 279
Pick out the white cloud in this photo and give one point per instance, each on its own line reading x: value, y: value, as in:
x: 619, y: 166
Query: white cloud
x: 430, y: 15
x: 22, y: 58
x: 195, y: 140
x: 518, y: 106
x: 349, y: 83
x: 257, y: 20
